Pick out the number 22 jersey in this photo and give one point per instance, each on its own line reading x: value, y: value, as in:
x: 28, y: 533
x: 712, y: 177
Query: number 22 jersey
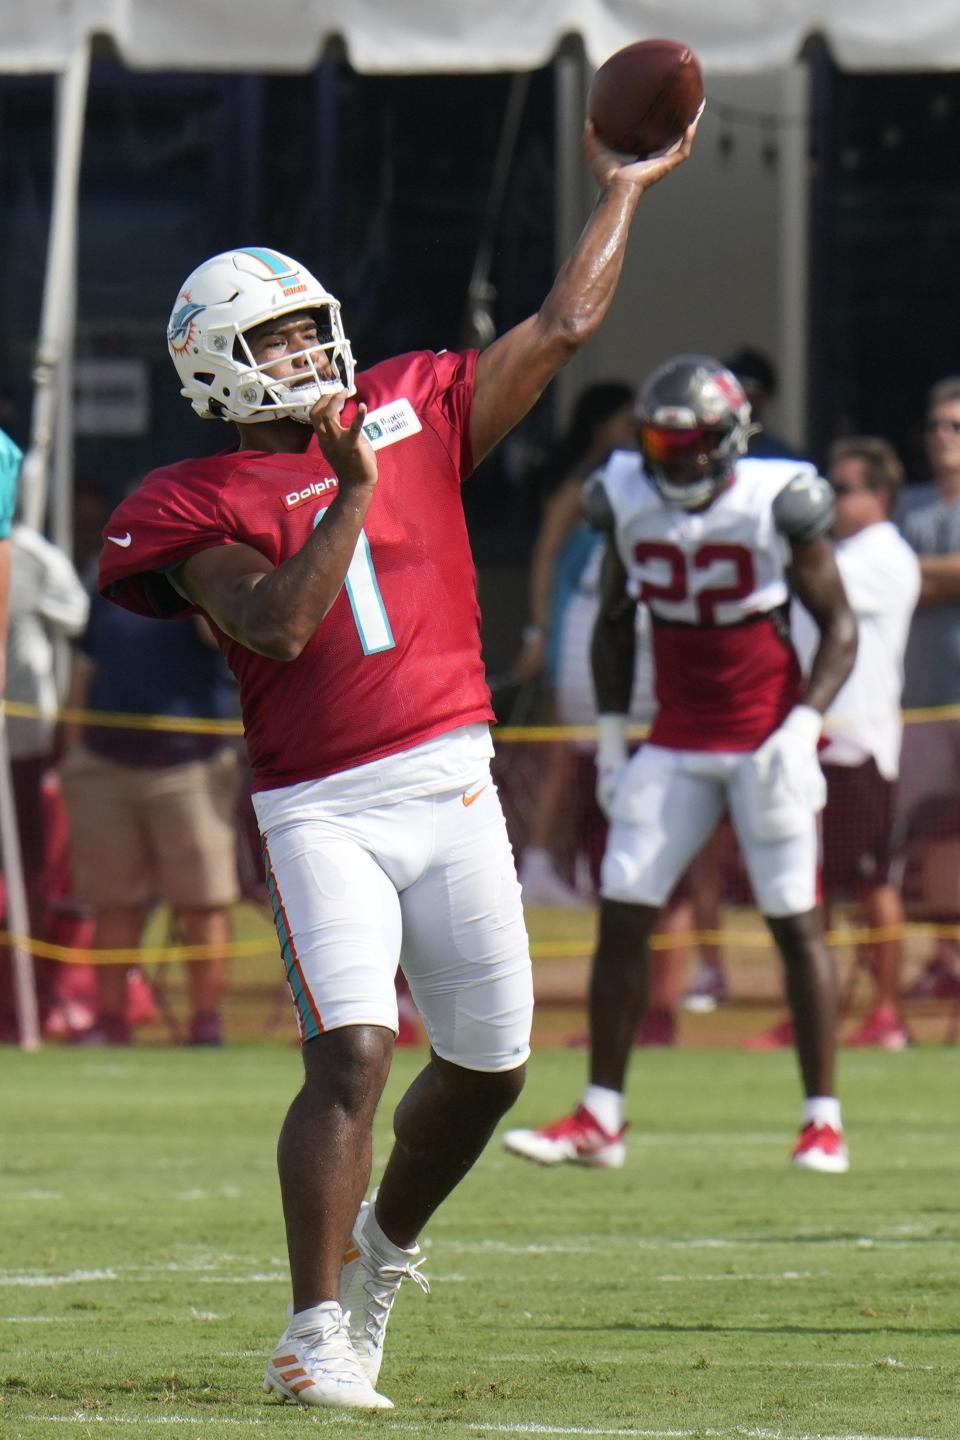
x: 715, y: 584
x: 396, y: 661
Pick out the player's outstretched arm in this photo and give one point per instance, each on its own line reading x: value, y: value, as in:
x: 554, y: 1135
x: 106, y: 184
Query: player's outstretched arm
x: 513, y: 372
x: 816, y: 581
x: 276, y: 610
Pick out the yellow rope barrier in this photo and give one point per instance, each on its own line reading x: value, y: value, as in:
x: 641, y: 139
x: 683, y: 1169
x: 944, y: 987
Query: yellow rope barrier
x: 573, y: 949
x: 541, y: 949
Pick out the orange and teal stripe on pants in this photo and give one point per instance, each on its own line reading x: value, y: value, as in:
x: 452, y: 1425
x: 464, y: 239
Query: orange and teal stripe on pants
x: 309, y: 1023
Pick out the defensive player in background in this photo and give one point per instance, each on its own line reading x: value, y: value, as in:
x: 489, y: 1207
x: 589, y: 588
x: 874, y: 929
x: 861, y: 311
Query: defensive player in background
x: 330, y: 555
x: 713, y: 544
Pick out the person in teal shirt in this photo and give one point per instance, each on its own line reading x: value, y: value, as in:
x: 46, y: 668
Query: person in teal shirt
x: 11, y: 458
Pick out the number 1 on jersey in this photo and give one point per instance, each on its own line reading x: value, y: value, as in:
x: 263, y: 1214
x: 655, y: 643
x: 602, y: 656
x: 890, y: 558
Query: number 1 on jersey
x: 366, y: 602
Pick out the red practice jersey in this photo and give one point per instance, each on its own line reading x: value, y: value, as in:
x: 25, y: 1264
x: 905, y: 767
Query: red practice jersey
x: 716, y: 587
x: 397, y: 659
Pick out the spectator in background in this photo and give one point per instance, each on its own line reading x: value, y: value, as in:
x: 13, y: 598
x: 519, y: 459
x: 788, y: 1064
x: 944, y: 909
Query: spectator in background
x: 758, y: 376
x: 152, y: 812
x: 11, y: 458
x: 47, y: 600
x: 863, y: 727
x: 930, y: 522
x: 564, y: 568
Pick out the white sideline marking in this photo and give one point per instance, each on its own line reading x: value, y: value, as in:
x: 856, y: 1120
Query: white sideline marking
x: 75, y: 1277
x: 133, y: 1272
x: 737, y: 1432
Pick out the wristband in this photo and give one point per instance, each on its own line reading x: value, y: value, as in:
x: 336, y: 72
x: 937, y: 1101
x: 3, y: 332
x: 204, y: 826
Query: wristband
x: 532, y: 632
x: 804, y: 722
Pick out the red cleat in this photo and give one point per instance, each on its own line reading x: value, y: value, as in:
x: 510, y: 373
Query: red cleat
x: 577, y: 1138
x: 781, y: 1037
x: 881, y: 1031
x: 822, y: 1148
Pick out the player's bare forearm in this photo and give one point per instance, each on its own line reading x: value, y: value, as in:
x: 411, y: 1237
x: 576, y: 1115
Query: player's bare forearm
x: 276, y: 611
x: 513, y: 372
x: 939, y: 580
x: 816, y: 581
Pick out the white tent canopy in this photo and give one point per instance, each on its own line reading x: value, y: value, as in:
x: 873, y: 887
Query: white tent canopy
x: 416, y: 36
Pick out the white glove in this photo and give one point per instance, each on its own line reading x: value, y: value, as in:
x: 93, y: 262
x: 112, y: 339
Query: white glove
x: 611, y: 758
x: 786, y: 782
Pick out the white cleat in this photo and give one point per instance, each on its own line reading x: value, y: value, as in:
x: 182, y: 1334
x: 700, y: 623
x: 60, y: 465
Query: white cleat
x: 315, y: 1363
x: 577, y: 1139
x: 369, y: 1283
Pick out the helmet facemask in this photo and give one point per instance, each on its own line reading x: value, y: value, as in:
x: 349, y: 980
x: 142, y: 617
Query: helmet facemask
x: 225, y: 299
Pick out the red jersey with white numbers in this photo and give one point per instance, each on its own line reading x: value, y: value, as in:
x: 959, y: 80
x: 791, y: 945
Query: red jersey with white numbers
x: 715, y: 585
x: 397, y: 660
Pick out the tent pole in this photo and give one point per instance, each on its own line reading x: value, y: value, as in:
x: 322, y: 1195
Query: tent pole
x: 571, y: 200
x: 794, y: 255
x: 18, y: 913
x: 52, y: 407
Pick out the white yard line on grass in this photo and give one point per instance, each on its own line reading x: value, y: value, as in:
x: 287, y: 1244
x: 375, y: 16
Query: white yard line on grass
x: 736, y: 1432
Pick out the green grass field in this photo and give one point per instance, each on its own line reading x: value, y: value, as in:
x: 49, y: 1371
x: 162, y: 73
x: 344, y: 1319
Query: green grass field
x: 705, y: 1290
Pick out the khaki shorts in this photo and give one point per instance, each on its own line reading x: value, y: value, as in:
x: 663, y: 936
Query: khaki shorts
x: 139, y: 835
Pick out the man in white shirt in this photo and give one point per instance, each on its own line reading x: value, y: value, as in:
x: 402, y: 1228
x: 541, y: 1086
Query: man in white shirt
x: 863, y: 726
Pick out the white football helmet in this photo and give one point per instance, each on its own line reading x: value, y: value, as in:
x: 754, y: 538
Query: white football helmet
x: 224, y: 298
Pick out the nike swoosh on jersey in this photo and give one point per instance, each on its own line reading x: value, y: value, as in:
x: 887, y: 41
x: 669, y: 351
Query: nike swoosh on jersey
x: 122, y: 540
x: 469, y: 799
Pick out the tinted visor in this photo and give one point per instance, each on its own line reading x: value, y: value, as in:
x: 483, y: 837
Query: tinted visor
x: 663, y: 445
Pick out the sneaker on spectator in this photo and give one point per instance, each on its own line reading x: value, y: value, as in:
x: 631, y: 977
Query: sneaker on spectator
x: 315, y: 1363
x: 657, y: 1030
x: 938, y: 980
x: 822, y: 1148
x: 577, y: 1138
x: 205, y: 1029
x: 882, y: 1030
x: 778, y: 1037
x: 106, y: 1030
x: 706, y: 990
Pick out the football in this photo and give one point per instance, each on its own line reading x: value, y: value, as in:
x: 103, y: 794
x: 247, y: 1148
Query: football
x: 643, y: 98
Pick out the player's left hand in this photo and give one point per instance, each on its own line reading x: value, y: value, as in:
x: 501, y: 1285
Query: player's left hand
x: 607, y: 166
x: 789, y: 782
x: 345, y: 446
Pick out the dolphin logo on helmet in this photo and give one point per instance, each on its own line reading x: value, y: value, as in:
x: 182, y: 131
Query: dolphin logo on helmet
x: 226, y: 297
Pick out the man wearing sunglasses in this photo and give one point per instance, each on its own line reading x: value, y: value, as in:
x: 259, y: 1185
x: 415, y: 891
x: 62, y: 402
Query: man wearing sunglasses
x: 714, y: 544
x: 930, y: 784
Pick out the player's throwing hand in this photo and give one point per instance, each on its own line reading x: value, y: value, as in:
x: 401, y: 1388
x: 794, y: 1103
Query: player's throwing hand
x: 607, y: 166
x: 345, y: 446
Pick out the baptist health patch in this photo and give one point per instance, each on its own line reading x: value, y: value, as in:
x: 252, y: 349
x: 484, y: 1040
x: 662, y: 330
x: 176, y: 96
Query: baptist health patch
x: 391, y: 423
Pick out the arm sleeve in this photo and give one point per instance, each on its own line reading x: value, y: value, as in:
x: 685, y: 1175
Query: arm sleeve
x: 595, y: 504
x: 803, y: 510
